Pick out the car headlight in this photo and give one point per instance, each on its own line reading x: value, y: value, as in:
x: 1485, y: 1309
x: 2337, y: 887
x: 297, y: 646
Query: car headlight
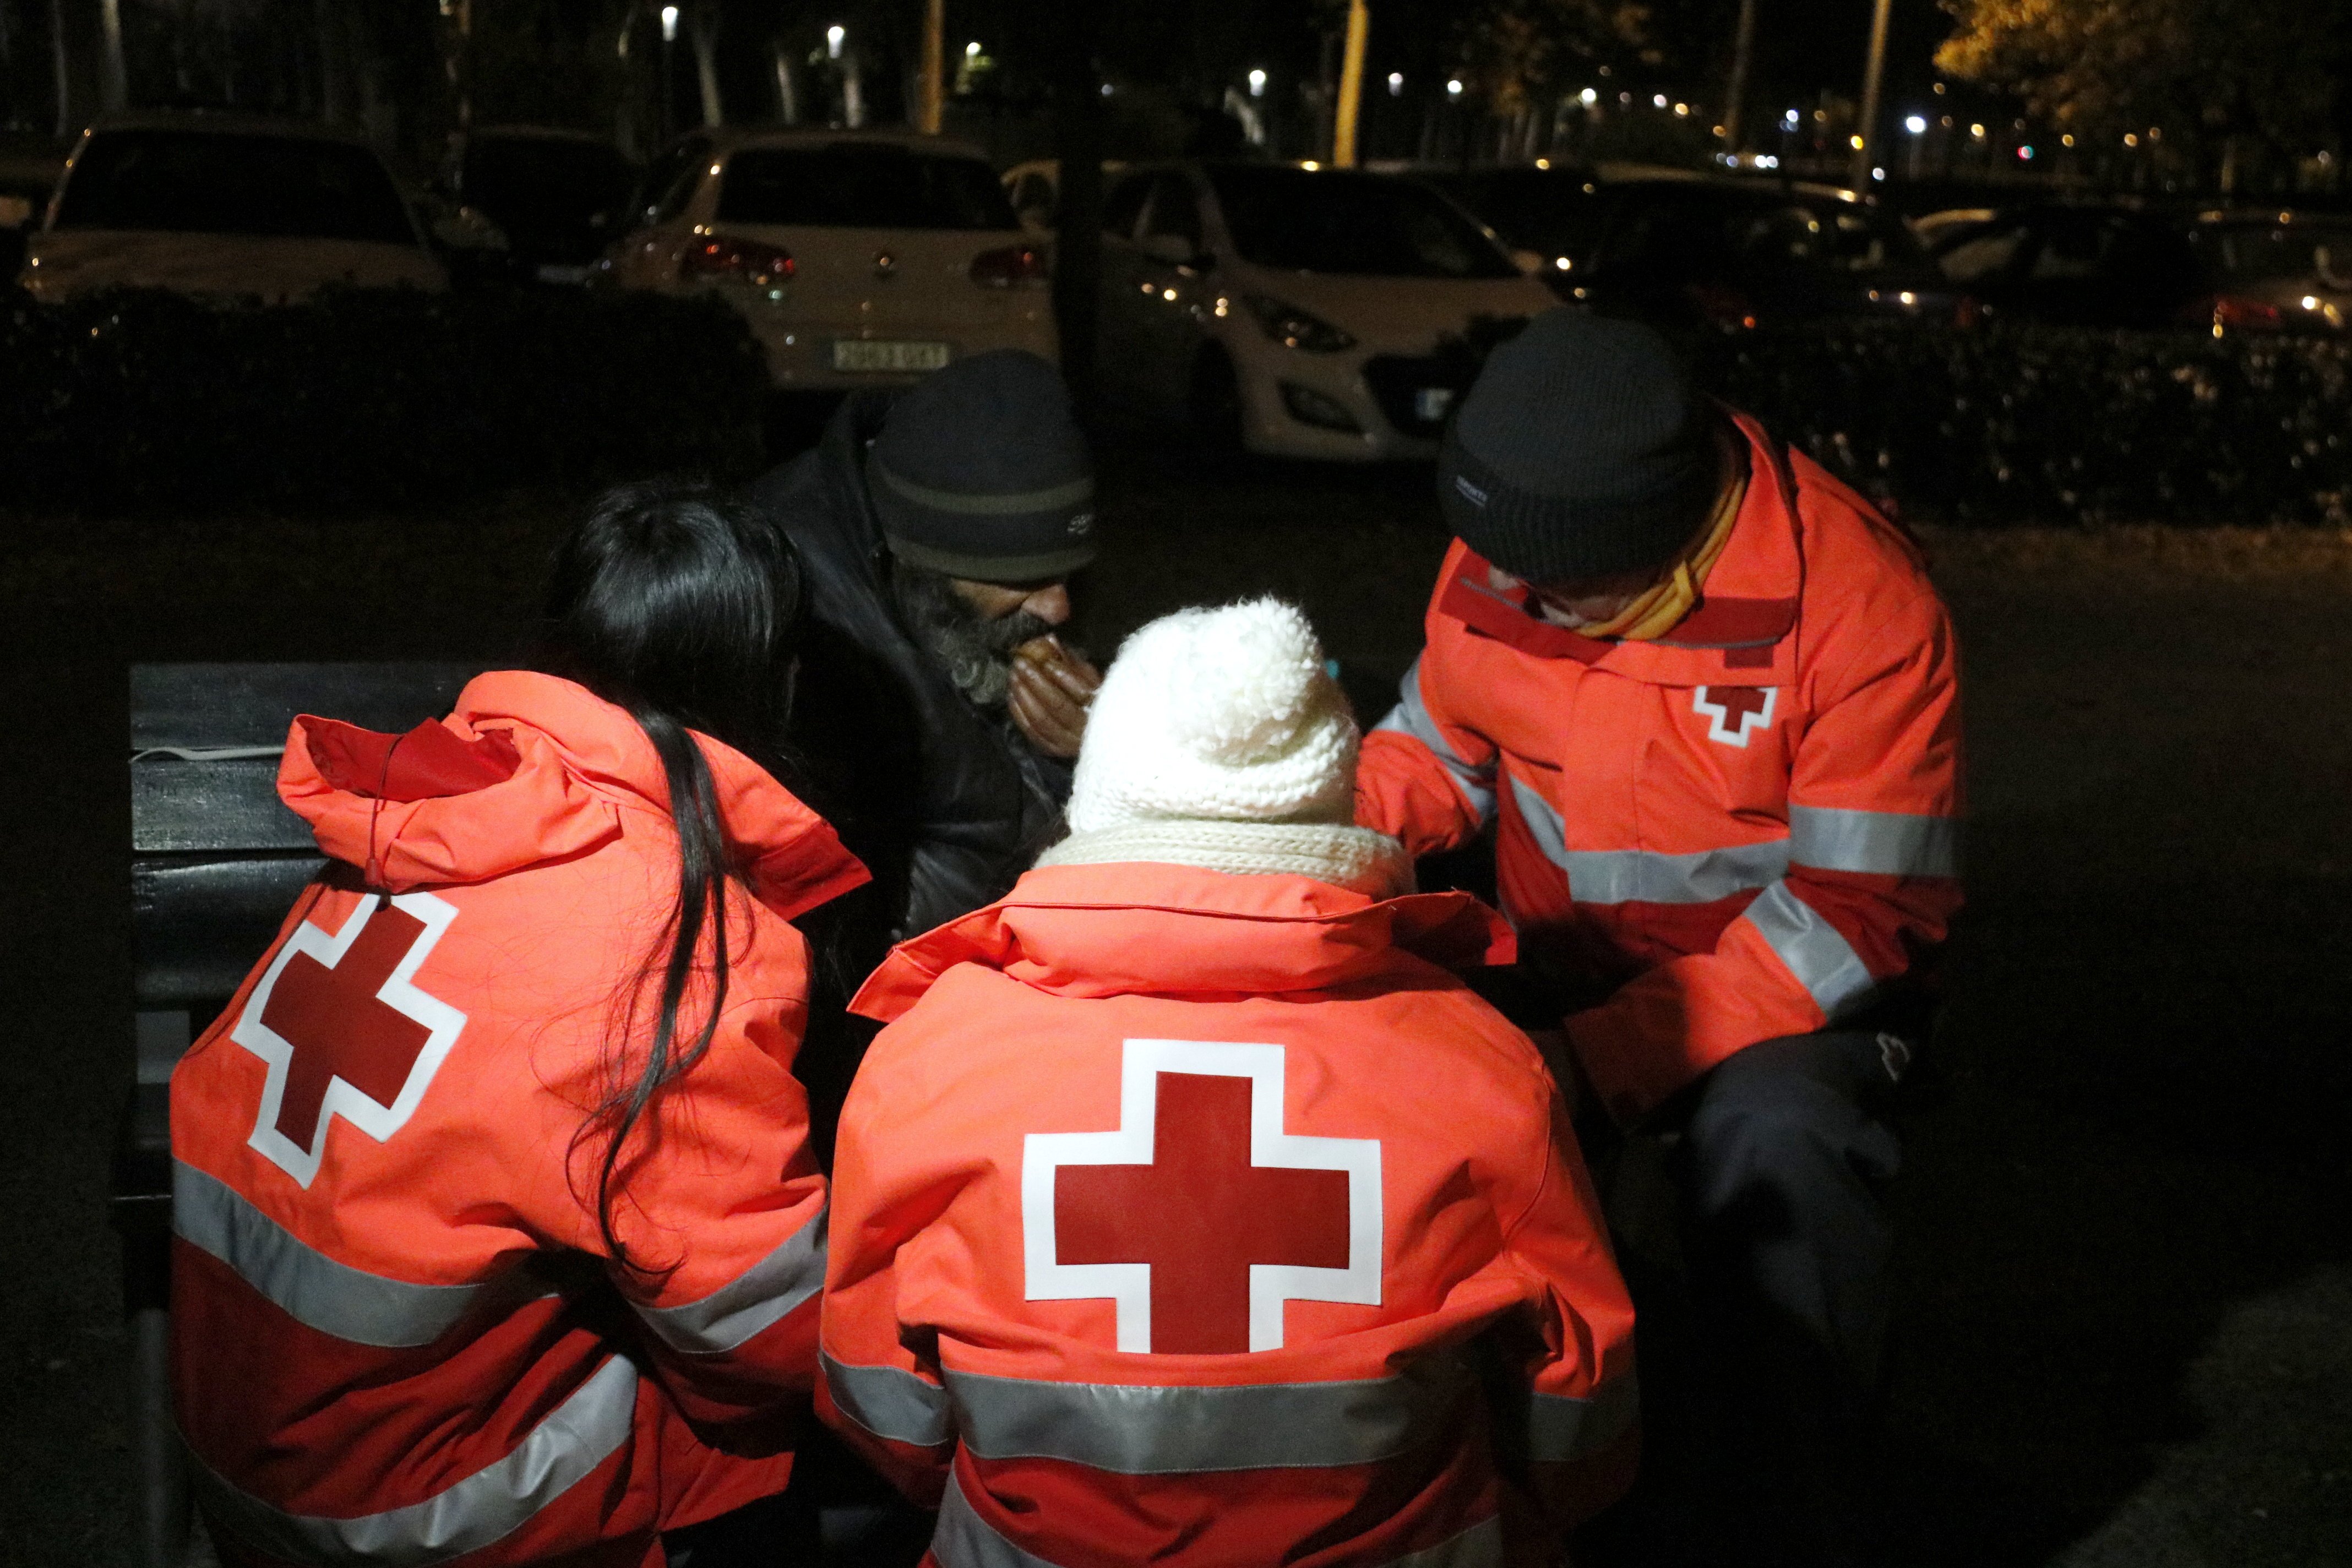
x: 1294, y: 328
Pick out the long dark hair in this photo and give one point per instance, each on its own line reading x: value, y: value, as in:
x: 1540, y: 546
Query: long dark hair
x: 683, y: 607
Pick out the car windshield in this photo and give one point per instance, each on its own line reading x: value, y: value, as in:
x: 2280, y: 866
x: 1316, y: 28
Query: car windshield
x: 2283, y: 254
x: 1554, y: 211
x: 862, y: 185
x: 1360, y: 224
x: 211, y: 182
x: 1832, y: 235
x: 539, y: 181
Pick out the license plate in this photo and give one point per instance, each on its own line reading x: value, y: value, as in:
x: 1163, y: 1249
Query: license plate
x: 880, y: 354
x: 1429, y: 403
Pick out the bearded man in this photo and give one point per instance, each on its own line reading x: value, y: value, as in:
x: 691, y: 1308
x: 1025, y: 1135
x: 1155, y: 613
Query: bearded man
x: 937, y: 710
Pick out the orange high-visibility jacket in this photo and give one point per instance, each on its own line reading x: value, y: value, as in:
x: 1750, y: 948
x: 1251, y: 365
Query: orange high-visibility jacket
x: 1749, y: 827
x: 397, y: 1334
x: 1200, y: 1218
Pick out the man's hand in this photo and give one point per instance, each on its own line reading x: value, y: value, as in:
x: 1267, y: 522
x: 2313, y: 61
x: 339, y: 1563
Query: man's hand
x: 1052, y: 688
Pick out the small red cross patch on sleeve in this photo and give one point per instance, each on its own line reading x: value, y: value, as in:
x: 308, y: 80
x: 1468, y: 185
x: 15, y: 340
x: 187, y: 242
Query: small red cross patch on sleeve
x: 1200, y: 1217
x: 1733, y: 713
x: 346, y: 1030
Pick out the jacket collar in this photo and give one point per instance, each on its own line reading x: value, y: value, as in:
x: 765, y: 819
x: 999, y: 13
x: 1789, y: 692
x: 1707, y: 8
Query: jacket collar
x: 578, y: 763
x: 1120, y: 929
x: 1747, y: 605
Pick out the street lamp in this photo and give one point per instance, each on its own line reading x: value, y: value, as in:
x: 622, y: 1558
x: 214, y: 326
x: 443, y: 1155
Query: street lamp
x: 1916, y: 124
x: 1589, y: 97
x: 669, y: 24
x: 1454, y: 87
x: 1396, y: 84
x: 971, y: 50
x: 1257, y: 83
x: 833, y: 39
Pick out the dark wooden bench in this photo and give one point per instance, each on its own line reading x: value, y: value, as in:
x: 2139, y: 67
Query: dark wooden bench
x: 216, y: 862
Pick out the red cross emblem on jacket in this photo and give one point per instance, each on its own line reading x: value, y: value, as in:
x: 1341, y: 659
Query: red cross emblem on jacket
x: 345, y: 1029
x: 1200, y: 1217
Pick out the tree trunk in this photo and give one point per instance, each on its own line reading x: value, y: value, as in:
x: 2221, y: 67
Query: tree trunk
x: 1078, y: 241
x: 788, y: 97
x: 706, y: 63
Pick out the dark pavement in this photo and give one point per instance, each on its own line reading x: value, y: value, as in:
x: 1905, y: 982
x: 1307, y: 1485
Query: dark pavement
x: 2125, y: 1335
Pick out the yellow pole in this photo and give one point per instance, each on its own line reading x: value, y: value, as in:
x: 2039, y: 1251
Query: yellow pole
x: 935, y: 44
x: 1351, y: 86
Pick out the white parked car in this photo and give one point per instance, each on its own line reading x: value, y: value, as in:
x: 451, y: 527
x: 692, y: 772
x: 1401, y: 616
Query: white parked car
x: 1297, y: 311
x: 226, y: 207
x: 857, y: 257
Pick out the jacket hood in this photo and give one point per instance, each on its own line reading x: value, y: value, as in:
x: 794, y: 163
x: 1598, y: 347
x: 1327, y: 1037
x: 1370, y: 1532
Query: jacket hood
x: 531, y: 768
x: 1115, y: 929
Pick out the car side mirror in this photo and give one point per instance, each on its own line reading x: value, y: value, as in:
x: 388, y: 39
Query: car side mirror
x: 1171, y: 250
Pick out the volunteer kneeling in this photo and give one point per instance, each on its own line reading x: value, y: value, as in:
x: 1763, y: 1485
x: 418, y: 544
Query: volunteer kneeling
x: 497, y: 1238
x: 1189, y: 1210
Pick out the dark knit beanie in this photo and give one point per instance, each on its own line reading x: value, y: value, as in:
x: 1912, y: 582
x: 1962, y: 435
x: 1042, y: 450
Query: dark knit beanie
x: 980, y: 471
x: 1581, y: 450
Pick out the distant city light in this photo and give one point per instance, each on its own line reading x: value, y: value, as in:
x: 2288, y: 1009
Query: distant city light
x: 1257, y: 83
x: 1454, y: 87
x: 1854, y: 142
x: 1767, y: 161
x: 2066, y: 140
x: 833, y: 38
x: 2311, y: 301
x: 2025, y: 154
x: 1659, y: 102
x: 1790, y: 118
x: 971, y: 50
x: 1916, y: 124
x: 1396, y: 84
x: 1588, y: 98
x: 1976, y: 131
x: 669, y: 24
x: 1878, y: 173
x: 1683, y: 110
x: 1107, y: 89
x: 2130, y: 140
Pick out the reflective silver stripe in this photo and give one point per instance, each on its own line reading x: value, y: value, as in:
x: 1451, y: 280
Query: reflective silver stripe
x: 890, y: 1402
x: 1560, y: 1428
x: 1645, y: 876
x: 311, y: 1287
x: 1020, y: 505
x: 1151, y: 1431
x: 1480, y: 1546
x: 753, y: 1302
x: 964, y: 1540
x: 1822, y: 961
x: 1410, y: 717
x: 1880, y: 843
x: 493, y: 1502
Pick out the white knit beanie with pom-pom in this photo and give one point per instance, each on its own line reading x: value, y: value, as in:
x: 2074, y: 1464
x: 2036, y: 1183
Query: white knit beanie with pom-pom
x: 1219, y: 739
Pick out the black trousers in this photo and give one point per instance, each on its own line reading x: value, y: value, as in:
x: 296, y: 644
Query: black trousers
x: 1763, y: 1353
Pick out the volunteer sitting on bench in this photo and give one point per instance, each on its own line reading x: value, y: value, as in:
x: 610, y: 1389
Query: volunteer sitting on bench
x: 498, y: 1234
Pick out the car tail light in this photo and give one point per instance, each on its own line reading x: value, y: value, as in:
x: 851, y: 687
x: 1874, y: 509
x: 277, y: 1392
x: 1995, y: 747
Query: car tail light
x: 739, y: 260
x: 1015, y: 265
x: 1723, y: 306
x: 2233, y: 314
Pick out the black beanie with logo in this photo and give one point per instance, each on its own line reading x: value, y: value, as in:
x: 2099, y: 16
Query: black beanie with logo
x: 980, y: 472
x: 1582, y: 450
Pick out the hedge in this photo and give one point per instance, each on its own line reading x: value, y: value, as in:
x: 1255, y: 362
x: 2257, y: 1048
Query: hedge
x: 2022, y: 423
x: 142, y: 399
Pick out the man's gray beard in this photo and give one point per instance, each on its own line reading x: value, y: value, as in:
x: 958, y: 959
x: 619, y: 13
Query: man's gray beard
x: 976, y: 653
